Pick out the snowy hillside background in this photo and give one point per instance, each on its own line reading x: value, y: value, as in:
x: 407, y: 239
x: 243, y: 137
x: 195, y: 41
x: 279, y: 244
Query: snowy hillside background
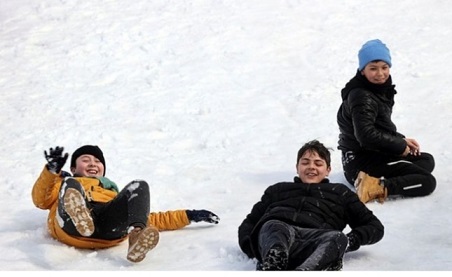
x: 209, y: 101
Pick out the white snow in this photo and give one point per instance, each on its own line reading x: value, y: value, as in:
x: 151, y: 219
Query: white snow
x: 209, y: 101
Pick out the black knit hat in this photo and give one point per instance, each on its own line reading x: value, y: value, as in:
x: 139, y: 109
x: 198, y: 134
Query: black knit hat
x: 90, y: 150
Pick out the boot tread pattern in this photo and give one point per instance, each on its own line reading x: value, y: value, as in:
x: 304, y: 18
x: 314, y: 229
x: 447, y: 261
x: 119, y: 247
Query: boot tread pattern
x: 75, y: 206
x: 147, y: 239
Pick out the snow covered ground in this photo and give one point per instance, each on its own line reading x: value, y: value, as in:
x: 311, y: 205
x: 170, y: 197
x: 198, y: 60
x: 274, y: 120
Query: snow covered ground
x: 209, y: 101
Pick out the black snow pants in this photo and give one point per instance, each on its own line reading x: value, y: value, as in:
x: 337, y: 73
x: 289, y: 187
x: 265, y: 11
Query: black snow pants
x: 407, y: 176
x: 131, y: 207
x: 308, y: 249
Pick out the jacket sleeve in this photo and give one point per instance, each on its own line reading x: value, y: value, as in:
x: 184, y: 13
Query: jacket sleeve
x: 364, y: 111
x: 245, y: 237
x: 362, y: 221
x: 169, y: 220
x: 46, y: 188
x: 250, y: 222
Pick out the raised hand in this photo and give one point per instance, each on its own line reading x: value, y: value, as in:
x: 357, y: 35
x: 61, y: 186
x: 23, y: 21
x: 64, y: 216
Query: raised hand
x: 55, y: 159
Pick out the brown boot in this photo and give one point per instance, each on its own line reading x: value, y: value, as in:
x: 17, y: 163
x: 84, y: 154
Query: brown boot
x: 140, y: 242
x: 369, y: 188
x: 75, y: 207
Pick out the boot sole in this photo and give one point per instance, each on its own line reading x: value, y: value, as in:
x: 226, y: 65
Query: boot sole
x: 147, y: 240
x: 275, y: 260
x: 365, y: 195
x: 359, y: 188
x: 75, y: 206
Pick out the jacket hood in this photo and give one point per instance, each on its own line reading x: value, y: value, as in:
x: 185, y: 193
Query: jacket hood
x: 359, y: 81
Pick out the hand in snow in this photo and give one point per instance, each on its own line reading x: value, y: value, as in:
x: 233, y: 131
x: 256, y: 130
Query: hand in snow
x: 202, y: 215
x: 353, y: 242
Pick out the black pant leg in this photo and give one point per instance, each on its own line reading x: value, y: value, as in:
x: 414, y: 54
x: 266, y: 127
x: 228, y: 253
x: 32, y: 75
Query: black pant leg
x: 352, y: 164
x: 131, y: 207
x: 424, y: 160
x: 408, y: 176
x: 274, y: 234
x: 405, y: 178
x: 317, y: 249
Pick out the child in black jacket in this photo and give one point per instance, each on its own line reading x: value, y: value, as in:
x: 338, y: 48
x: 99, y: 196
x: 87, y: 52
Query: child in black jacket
x: 298, y: 225
x: 376, y: 158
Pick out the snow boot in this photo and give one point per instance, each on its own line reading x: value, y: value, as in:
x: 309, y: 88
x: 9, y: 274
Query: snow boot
x: 335, y: 266
x: 275, y: 259
x: 75, y: 206
x: 141, y: 241
x: 370, y: 188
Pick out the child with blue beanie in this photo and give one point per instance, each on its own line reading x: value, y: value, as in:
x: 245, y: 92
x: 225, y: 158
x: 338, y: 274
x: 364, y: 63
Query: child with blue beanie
x: 376, y: 158
x: 373, y: 50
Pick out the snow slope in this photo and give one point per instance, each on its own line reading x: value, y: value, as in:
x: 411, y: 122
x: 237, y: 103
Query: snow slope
x: 209, y: 101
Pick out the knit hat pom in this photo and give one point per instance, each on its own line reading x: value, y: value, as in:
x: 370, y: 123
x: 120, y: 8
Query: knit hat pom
x: 373, y: 50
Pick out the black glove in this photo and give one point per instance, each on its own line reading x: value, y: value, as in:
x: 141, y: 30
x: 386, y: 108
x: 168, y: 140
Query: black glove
x: 55, y: 159
x: 202, y: 215
x: 353, y: 242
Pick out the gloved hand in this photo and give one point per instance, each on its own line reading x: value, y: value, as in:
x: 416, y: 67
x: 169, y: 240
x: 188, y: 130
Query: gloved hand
x: 353, y: 242
x: 55, y: 159
x: 202, y: 215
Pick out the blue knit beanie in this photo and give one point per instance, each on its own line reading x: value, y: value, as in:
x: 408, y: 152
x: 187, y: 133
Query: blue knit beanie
x: 373, y: 50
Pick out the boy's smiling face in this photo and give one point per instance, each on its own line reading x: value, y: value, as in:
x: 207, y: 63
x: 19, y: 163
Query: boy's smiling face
x: 376, y: 72
x: 311, y: 168
x: 89, y: 166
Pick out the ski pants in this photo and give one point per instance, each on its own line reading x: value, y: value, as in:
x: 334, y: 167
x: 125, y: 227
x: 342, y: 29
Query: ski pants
x: 407, y: 176
x: 131, y: 207
x: 308, y: 249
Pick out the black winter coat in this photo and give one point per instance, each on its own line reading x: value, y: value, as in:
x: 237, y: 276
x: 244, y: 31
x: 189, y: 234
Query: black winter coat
x: 364, y: 118
x: 321, y: 206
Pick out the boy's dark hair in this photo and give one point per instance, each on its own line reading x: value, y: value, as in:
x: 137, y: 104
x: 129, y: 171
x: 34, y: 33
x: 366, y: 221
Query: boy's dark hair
x: 315, y: 146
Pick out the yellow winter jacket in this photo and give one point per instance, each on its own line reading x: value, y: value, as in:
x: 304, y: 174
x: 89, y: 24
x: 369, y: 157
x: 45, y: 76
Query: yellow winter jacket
x: 45, y: 196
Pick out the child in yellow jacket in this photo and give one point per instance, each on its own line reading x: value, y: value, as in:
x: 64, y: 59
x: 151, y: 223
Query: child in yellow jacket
x: 88, y: 211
